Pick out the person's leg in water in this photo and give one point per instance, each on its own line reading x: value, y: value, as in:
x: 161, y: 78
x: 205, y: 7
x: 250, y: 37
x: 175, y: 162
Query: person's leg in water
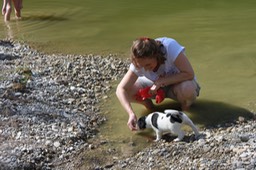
x: 17, y: 7
x: 185, y: 93
x: 7, y: 10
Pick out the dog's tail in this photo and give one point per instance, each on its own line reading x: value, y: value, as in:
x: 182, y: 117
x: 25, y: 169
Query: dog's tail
x: 188, y: 121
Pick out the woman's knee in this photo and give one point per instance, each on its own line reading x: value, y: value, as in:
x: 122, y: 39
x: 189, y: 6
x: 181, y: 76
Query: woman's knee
x: 185, y: 90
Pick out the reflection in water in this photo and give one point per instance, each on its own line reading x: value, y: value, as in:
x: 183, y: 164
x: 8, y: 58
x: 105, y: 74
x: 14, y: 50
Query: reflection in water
x: 11, y: 29
x: 8, y: 30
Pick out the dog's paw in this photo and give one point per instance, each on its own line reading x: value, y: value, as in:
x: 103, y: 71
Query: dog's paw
x: 177, y: 140
x: 157, y: 140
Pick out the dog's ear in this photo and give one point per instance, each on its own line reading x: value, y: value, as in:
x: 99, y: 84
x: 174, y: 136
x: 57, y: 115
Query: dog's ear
x: 142, y: 122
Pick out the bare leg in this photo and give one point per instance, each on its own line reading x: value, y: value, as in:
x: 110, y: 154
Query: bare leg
x: 148, y: 104
x: 7, y: 9
x: 17, y: 6
x: 186, y: 93
x: 4, y: 7
x: 181, y: 135
x: 141, y: 83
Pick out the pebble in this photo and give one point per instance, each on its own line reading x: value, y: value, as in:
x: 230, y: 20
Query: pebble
x: 56, y: 144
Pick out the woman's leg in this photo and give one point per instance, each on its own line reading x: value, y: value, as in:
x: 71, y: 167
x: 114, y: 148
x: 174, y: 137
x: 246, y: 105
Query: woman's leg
x: 4, y: 7
x: 17, y: 6
x: 142, y: 82
x: 185, y: 93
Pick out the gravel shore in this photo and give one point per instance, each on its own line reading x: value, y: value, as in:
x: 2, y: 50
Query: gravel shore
x: 50, y: 104
x: 50, y: 109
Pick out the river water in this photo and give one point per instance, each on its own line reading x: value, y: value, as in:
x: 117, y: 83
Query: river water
x: 219, y: 36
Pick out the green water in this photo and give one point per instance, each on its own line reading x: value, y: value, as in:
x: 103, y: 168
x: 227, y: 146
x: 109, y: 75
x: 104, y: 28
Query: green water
x: 219, y: 37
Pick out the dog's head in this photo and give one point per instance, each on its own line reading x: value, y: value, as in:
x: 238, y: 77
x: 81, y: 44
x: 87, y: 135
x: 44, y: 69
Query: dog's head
x: 142, y: 123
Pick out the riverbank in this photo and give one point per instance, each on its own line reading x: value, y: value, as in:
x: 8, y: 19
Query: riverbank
x: 50, y: 104
x: 50, y: 114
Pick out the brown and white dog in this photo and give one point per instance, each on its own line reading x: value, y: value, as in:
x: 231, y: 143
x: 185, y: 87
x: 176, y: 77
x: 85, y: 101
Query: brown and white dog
x: 169, y: 121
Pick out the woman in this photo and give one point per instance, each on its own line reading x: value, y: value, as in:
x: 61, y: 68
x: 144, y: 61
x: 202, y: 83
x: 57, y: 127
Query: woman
x: 159, y: 63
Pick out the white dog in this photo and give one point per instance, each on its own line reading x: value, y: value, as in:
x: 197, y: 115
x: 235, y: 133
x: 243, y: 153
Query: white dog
x: 169, y: 121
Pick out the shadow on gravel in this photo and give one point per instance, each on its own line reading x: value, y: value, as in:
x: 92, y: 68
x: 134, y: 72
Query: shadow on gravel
x: 207, y: 113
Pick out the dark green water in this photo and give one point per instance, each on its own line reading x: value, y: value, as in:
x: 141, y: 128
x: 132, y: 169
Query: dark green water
x: 219, y: 36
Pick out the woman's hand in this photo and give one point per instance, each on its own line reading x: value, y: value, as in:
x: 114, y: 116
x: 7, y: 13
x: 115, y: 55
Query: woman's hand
x: 132, y: 122
x: 154, y: 89
x: 156, y: 86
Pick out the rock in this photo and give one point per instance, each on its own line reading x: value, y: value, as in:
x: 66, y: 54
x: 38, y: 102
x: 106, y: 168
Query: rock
x: 244, y: 138
x: 56, y: 144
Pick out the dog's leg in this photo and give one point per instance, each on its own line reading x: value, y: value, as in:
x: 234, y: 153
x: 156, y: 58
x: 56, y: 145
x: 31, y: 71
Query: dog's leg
x: 158, y: 135
x: 181, y: 135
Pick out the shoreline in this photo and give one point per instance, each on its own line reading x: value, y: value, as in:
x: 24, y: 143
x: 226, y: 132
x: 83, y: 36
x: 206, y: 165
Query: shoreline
x: 50, y: 115
x: 49, y: 104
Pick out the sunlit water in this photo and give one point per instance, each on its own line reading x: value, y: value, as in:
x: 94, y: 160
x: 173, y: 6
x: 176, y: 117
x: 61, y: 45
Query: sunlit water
x: 219, y: 37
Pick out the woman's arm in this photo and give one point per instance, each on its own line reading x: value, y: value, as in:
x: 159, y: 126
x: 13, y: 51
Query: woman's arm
x: 124, y: 94
x: 186, y: 73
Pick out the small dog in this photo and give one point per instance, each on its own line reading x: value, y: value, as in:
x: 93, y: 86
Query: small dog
x: 169, y: 121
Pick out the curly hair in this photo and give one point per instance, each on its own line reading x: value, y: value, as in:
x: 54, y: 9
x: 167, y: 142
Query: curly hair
x: 147, y: 48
